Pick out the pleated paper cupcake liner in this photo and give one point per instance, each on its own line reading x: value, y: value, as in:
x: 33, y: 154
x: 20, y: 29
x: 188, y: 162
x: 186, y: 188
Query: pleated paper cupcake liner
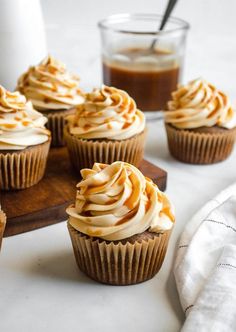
x: 23, y: 169
x: 200, y: 148
x: 84, y: 153
x: 118, y: 263
x: 2, y: 225
x: 56, y: 123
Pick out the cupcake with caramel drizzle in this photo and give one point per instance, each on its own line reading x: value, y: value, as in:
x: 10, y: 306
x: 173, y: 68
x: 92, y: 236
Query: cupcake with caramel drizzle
x: 105, y: 128
x: 200, y: 123
x: 24, y: 142
x: 54, y: 92
x: 120, y: 224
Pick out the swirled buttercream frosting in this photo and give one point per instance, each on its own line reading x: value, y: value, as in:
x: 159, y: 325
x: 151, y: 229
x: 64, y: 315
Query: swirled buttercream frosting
x: 49, y: 86
x: 200, y: 104
x: 116, y: 201
x: 107, y: 113
x: 20, y: 125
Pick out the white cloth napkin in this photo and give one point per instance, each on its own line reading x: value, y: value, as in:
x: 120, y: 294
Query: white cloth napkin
x: 205, y: 266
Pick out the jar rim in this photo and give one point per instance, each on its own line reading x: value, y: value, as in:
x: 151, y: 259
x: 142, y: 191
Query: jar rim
x: 109, y: 23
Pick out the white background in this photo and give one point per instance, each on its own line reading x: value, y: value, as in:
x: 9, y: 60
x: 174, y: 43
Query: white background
x: 40, y: 286
x: 211, y: 48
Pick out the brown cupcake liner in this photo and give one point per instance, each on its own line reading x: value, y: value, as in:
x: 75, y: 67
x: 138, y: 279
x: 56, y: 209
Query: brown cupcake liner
x: 84, y: 153
x: 56, y: 123
x: 200, y: 148
x: 2, y: 225
x: 116, y: 263
x: 24, y: 168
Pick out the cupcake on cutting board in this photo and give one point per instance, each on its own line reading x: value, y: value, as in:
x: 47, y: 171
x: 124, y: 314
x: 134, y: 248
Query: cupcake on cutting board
x: 52, y: 91
x: 119, y: 225
x: 105, y: 128
x: 24, y: 142
x: 200, y: 124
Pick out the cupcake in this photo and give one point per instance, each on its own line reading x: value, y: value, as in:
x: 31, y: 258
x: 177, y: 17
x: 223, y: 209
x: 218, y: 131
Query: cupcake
x: 200, y: 124
x: 52, y: 91
x: 2, y: 225
x: 120, y: 224
x: 24, y: 142
x: 105, y: 128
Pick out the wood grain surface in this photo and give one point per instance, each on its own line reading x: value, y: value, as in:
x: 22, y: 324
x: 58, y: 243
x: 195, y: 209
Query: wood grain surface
x: 44, y: 204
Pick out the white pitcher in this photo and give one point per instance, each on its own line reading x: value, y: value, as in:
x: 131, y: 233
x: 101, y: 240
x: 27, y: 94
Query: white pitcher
x: 22, y: 38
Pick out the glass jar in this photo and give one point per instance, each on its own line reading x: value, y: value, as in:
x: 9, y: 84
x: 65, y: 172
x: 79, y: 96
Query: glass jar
x: 141, y: 60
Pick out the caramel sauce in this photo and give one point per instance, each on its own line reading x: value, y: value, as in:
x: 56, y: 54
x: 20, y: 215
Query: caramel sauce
x: 150, y: 83
x: 132, y: 200
x: 52, y: 70
x: 147, y: 205
x: 87, y: 127
x: 54, y: 88
x: 126, y: 125
x: 122, y: 178
x: 111, y: 202
x: 17, y: 118
x: 167, y: 212
x: 94, y: 233
x: 26, y: 123
x: 9, y: 125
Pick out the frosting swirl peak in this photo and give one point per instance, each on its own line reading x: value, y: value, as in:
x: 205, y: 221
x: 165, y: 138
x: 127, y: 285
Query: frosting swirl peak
x: 200, y: 104
x: 11, y: 101
x: 50, y: 86
x: 116, y: 201
x: 107, y: 113
x: 20, y: 125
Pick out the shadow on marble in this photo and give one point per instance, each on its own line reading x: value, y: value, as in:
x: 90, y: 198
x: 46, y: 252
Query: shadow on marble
x: 59, y: 266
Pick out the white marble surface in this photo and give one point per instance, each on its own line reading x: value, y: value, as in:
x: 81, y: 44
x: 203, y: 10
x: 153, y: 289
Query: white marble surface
x: 41, y: 288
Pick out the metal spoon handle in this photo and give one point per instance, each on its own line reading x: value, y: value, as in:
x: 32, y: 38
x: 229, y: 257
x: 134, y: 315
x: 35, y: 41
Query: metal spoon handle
x: 170, y: 6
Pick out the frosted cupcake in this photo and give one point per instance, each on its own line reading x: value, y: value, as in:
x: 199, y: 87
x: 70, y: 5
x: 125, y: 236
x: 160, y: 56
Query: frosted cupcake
x: 24, y: 142
x: 200, y: 124
x: 2, y: 225
x: 105, y: 128
x: 120, y: 224
x: 52, y: 91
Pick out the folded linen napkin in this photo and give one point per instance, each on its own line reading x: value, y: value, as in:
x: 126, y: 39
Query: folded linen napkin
x: 205, y: 266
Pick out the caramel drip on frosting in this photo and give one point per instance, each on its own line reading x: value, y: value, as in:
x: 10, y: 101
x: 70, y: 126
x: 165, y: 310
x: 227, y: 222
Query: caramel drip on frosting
x: 20, y: 125
x: 50, y: 86
x: 200, y: 104
x: 116, y: 201
x: 107, y: 113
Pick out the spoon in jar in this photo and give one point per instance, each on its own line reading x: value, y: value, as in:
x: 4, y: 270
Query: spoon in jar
x: 151, y: 50
x: 168, y: 11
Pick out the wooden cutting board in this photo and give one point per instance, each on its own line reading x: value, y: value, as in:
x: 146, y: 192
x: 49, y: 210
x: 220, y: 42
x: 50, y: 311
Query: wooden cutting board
x: 44, y: 204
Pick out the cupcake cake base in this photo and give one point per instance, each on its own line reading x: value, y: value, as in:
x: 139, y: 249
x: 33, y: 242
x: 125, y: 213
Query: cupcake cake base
x: 24, y: 168
x: 125, y: 262
x: 84, y: 153
x: 200, y: 145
